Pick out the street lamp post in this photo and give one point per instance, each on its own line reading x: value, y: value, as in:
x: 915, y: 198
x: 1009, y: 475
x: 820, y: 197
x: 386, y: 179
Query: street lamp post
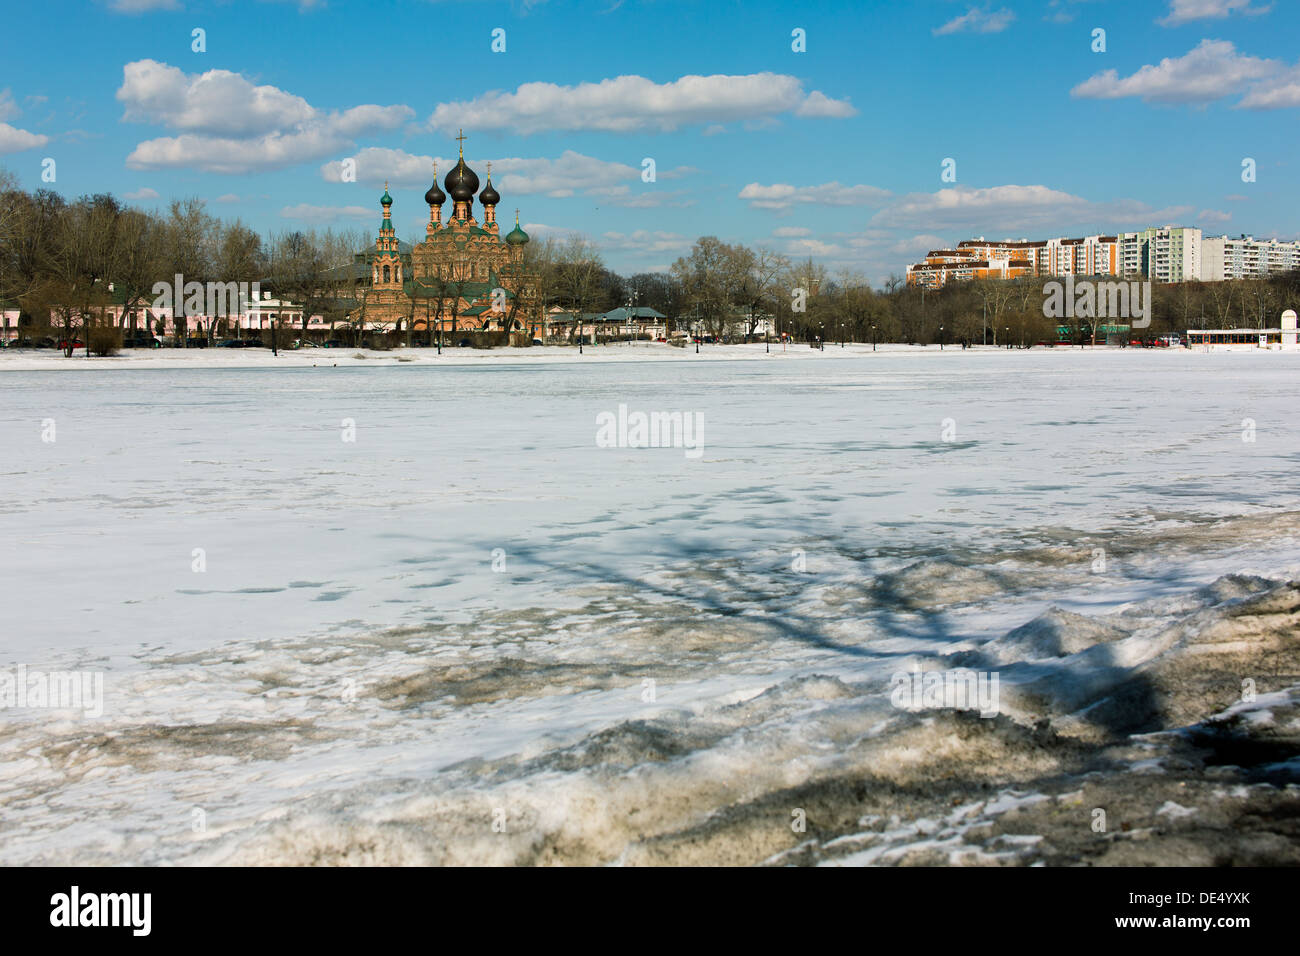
x: 941, y: 338
x: 873, y: 338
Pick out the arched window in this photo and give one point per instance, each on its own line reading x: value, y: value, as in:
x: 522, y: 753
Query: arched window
x: 386, y: 274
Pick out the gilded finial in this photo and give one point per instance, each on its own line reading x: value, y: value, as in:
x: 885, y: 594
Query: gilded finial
x: 461, y: 140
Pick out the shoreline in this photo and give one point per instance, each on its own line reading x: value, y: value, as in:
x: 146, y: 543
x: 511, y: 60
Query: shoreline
x: 27, y: 360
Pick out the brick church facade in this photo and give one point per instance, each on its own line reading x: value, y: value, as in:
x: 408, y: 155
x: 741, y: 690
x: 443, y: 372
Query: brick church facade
x: 463, y: 276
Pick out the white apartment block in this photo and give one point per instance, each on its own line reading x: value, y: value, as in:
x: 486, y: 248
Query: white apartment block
x: 1246, y: 257
x: 1158, y: 253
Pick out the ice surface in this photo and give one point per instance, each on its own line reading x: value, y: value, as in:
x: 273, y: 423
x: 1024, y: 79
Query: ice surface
x: 677, y: 653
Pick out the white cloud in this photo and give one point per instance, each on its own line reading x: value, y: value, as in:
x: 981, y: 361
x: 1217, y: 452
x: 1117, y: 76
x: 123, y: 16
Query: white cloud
x: 643, y: 240
x: 978, y: 20
x: 791, y: 232
x: 782, y: 196
x: 228, y: 198
x: 631, y: 103
x: 1279, y: 92
x: 375, y: 164
x: 143, y: 6
x: 539, y: 230
x: 1213, y: 215
x: 569, y: 174
x: 217, y: 101
x: 1211, y: 71
x: 819, y: 104
x: 917, y: 245
x: 230, y: 125
x: 143, y: 193
x: 814, y: 247
x: 308, y: 213
x: 231, y: 155
x: 1185, y: 11
x: 1017, y: 210
x: 562, y: 176
x: 648, y: 198
x: 14, y: 140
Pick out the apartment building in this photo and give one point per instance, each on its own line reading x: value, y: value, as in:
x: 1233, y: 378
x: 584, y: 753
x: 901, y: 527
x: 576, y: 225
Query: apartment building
x: 1014, y: 259
x: 1132, y: 255
x: 1245, y: 257
x: 1172, y: 253
x: 1159, y: 253
x: 962, y: 264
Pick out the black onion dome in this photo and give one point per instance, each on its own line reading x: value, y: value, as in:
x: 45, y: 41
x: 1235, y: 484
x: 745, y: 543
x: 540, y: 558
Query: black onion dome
x: 435, y: 196
x: 489, y: 196
x: 461, y: 182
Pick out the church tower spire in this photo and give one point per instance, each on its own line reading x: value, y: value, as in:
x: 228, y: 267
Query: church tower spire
x: 435, y: 197
x: 489, y: 197
x: 462, y: 184
x: 388, y: 261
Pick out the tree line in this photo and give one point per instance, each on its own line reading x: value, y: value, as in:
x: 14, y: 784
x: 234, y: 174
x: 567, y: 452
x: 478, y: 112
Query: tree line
x: 73, y: 259
x: 59, y: 257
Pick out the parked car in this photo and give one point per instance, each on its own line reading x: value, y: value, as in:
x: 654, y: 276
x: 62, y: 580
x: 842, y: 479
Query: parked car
x: 335, y: 344
x: 230, y: 344
x: 140, y: 340
x: 538, y: 342
x: 75, y: 343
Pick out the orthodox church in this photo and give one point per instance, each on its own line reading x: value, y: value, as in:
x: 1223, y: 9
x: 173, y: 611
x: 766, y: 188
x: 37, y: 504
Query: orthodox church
x: 463, y: 276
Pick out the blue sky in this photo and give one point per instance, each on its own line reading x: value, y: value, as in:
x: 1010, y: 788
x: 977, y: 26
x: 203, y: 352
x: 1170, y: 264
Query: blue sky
x: 834, y: 152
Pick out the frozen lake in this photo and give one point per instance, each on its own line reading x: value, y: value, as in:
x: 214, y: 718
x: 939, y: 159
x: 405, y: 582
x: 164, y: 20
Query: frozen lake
x: 363, y: 614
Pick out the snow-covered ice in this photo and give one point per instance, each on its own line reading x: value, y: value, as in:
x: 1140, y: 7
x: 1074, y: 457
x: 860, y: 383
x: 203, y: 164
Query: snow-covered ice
x: 472, y: 615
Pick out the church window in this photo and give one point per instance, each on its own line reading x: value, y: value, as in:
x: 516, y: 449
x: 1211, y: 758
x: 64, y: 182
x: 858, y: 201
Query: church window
x: 386, y: 274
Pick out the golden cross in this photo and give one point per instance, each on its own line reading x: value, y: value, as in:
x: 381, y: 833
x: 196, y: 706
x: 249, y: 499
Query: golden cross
x: 461, y: 140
